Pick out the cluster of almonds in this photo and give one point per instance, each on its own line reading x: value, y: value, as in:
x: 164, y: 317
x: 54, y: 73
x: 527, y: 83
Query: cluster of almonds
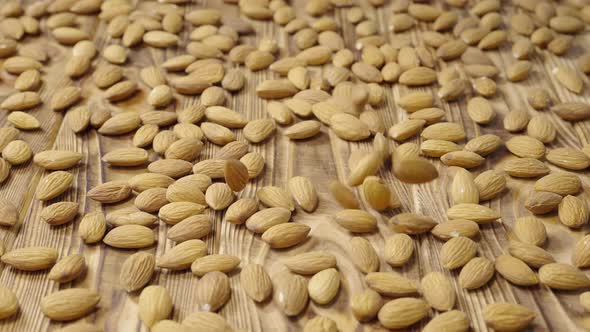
x: 342, y: 98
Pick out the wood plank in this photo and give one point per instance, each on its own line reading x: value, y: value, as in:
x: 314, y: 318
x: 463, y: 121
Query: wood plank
x: 322, y: 159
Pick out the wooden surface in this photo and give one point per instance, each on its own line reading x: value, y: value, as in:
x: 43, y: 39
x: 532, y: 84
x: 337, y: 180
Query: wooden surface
x: 322, y: 158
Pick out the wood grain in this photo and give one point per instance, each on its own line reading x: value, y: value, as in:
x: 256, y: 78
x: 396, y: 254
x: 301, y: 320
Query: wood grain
x: 322, y: 158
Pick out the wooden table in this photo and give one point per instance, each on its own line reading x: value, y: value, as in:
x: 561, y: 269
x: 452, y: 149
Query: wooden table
x: 322, y: 158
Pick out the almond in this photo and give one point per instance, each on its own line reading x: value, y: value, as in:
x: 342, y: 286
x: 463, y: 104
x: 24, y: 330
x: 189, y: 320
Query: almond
x: 59, y: 213
x: 285, y: 235
x: 476, y: 273
x: 130, y: 237
x: 17, y: 152
x: 357, y: 221
x: 455, y: 228
x: 391, y: 284
x: 453, y: 320
x: 155, y: 304
x: 291, y: 293
x: 457, y: 252
x: 310, y: 262
x: 208, y: 320
x: 515, y: 271
x: 23, y: 121
x: 145, y: 181
x: 463, y: 188
x: 130, y: 216
x: 464, y: 159
x: 516, y: 120
x: 418, y: 76
x: 412, y: 223
x: 9, y: 304
x: 174, y: 168
x: 366, y: 305
x: 403, y: 312
x: 568, y: 158
x: 120, y: 124
x: 121, y: 91
x: 8, y: 213
x: 437, y: 148
x: 126, y: 157
x: 137, y: 271
x: 324, y: 286
x: 92, y: 227
x: 508, y: 316
x: 526, y: 168
x: 541, y: 202
x: 581, y: 252
x: 68, y: 268
x: 572, y: 111
x: 53, y: 185
x: 30, y: 258
x: 181, y: 256
x: 532, y: 255
x: 363, y: 255
x: 478, y: 213
x: 530, y: 230
x: 573, y: 212
x: 490, y: 184
x: 110, y: 192
x: 563, y: 277
x: 21, y: 101
x: 69, y: 304
x: 416, y: 101
x: 256, y: 282
x: 303, y: 192
x: 560, y: 183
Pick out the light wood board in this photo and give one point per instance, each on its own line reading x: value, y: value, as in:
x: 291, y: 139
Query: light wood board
x: 322, y: 158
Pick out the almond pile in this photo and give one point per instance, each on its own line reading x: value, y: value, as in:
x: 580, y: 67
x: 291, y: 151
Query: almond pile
x: 198, y: 155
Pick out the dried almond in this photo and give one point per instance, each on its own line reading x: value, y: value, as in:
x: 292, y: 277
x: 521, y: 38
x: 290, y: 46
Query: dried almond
x: 457, y: 252
x: 573, y: 212
x: 324, y: 286
x: 438, y: 291
x: 403, y: 312
x: 256, y: 282
x: 453, y: 320
x: 411, y: 223
x: 130, y: 237
x: 92, y: 227
x: 508, y: 316
x: 9, y: 304
x: 137, y: 271
x: 311, y: 262
x: 568, y: 158
x: 476, y: 273
x: 53, y: 185
x: 563, y: 277
x: 285, y: 235
x: 182, y: 255
x: 303, y: 192
x: 68, y: 268
x: 478, y: 213
x: 291, y: 293
x: 69, y: 304
x: 155, y: 304
x: 363, y: 255
x: 560, y: 183
x: 532, y: 255
x: 30, y: 258
x: 59, y: 213
x: 391, y: 284
x: 515, y: 271
x: 463, y: 188
x: 356, y: 221
x: 455, y: 228
x: 110, y: 192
